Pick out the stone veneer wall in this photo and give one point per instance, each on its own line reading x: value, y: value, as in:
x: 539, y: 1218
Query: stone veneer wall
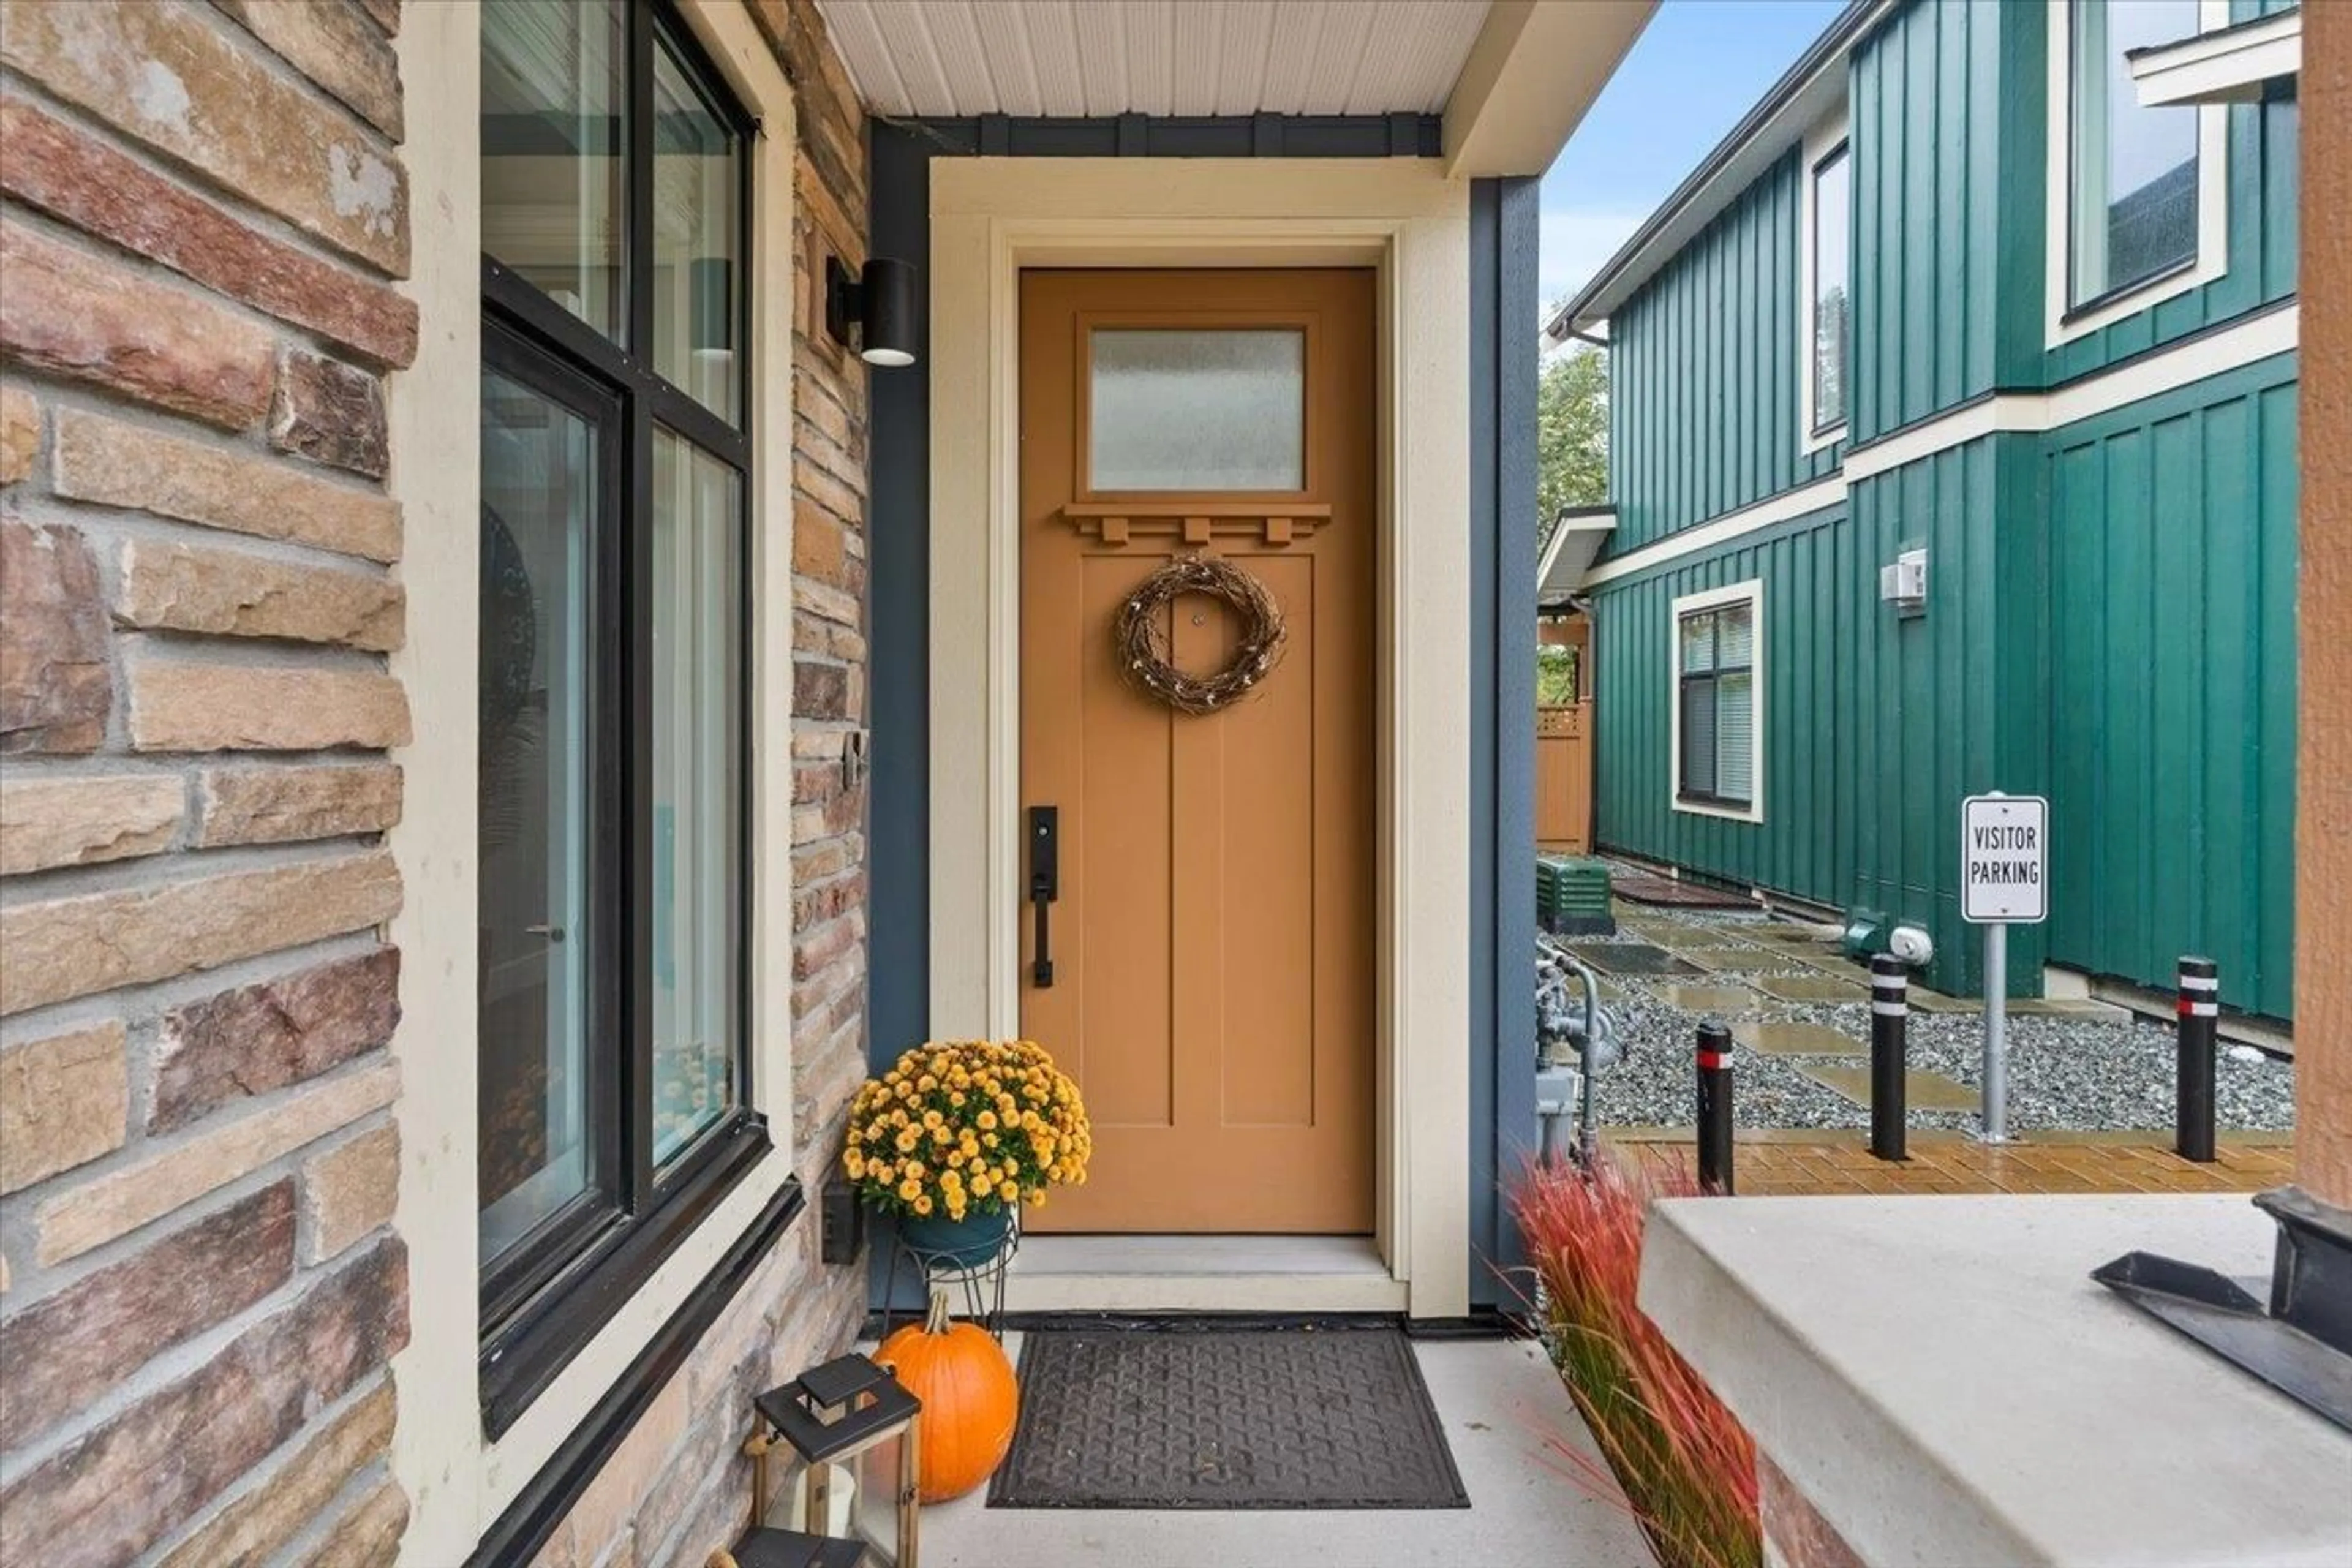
x: 204, y: 208
x: 679, y: 1485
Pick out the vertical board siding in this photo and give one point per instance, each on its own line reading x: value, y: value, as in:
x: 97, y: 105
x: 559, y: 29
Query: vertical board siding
x: 1925, y: 92
x: 1704, y: 372
x: 1876, y: 724
x: 2172, y: 529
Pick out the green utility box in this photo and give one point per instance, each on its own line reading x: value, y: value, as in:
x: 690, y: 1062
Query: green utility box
x: 1572, y: 896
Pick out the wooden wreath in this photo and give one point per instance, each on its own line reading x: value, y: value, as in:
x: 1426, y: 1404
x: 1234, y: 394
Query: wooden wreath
x: 1145, y: 653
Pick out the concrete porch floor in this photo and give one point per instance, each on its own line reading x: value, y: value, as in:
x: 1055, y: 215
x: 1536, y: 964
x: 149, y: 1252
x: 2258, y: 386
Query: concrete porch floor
x: 1506, y: 1415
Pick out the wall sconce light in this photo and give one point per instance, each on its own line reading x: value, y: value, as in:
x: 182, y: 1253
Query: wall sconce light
x: 880, y: 301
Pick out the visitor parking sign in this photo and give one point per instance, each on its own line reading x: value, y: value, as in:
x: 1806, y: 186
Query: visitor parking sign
x: 2004, y: 859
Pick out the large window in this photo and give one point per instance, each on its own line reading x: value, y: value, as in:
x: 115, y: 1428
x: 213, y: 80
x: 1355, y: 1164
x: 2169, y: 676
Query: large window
x: 614, y: 680
x: 1832, y: 230
x: 1714, y: 700
x: 2133, y: 172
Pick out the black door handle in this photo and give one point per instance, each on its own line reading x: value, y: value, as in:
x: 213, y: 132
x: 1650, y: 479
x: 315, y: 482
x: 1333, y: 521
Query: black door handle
x: 1045, y: 886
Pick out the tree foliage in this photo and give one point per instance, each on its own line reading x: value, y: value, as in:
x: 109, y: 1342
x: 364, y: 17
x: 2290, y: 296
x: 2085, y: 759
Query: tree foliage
x: 1571, y: 436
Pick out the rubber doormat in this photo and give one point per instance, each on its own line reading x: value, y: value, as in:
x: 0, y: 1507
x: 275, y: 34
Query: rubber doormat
x: 1208, y: 1418
x: 1681, y: 895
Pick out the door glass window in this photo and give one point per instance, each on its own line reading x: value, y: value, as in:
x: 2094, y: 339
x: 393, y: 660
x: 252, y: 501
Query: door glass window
x: 2135, y: 169
x: 555, y: 170
x: 1197, y: 408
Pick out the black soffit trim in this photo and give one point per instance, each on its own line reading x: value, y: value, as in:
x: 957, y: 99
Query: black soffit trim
x: 1405, y: 135
x: 533, y: 1517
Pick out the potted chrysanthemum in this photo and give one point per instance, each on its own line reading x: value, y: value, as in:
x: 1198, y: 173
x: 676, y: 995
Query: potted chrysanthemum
x: 957, y: 1134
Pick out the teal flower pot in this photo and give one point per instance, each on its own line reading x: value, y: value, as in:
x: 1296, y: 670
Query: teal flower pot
x: 967, y: 1243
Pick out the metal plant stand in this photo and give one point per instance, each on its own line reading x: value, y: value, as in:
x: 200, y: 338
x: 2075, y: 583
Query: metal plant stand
x: 981, y: 1285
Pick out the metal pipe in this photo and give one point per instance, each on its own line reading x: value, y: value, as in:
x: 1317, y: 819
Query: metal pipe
x: 1714, y: 1118
x: 1890, y: 1023
x: 1996, y: 1045
x: 2200, y: 1012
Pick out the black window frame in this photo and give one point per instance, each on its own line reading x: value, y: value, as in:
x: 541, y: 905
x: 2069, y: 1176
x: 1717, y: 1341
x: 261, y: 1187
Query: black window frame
x: 2114, y: 293
x: 1712, y: 676
x: 1822, y: 428
x: 553, y: 1290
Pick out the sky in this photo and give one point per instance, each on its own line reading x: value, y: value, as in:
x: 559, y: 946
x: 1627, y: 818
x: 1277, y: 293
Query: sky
x: 1696, y: 68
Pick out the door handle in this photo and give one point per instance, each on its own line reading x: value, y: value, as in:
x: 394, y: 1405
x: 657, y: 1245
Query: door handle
x: 1045, y: 886
x: 552, y: 934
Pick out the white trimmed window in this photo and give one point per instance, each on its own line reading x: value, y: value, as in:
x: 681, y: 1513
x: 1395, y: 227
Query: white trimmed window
x: 1718, y: 734
x: 1825, y: 313
x: 2137, y: 195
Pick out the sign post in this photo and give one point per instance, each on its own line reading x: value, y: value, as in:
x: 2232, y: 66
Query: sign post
x: 2004, y: 881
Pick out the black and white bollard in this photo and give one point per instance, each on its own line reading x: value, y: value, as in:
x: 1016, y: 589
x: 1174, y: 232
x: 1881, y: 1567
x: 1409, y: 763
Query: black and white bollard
x: 1890, y: 1023
x: 2200, y: 1011
x: 1715, y: 1108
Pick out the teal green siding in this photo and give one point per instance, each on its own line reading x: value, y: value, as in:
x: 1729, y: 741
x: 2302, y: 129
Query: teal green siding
x: 1874, y: 724
x: 1704, y: 372
x: 2173, y: 685
x: 1922, y: 121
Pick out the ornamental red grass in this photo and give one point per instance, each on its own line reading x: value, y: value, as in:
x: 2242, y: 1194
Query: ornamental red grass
x: 1687, y: 1467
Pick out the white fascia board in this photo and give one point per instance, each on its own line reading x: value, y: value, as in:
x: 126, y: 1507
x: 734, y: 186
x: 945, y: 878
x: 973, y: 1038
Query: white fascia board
x: 1574, y: 542
x: 2227, y: 64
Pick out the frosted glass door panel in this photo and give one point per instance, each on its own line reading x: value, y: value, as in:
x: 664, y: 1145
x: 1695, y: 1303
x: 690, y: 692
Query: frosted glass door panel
x: 1206, y: 409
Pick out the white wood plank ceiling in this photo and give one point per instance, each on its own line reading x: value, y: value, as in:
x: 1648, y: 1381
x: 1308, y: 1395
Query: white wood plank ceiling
x: 1154, y: 57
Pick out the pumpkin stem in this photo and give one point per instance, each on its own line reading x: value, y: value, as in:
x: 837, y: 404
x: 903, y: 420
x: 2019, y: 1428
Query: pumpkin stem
x: 935, y: 1321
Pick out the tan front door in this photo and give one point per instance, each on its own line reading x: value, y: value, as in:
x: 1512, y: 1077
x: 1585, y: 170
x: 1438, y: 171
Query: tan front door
x: 1212, y: 937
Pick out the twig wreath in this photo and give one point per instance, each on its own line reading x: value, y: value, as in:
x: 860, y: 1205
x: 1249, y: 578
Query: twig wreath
x: 1145, y: 654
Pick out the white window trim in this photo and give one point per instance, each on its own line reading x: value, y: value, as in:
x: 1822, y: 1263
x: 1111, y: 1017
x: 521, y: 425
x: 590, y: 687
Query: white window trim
x: 1820, y: 142
x: 1752, y: 592
x: 2213, y: 194
x: 459, y: 1483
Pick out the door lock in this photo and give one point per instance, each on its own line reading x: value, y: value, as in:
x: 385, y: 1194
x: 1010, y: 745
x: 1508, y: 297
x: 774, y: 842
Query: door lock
x: 1045, y: 886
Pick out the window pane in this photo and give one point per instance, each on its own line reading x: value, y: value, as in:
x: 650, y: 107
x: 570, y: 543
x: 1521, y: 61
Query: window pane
x: 1698, y: 643
x: 1206, y: 410
x: 1735, y: 633
x: 1699, y: 737
x: 1833, y: 211
x: 696, y: 181
x: 2135, y: 169
x: 697, y: 801
x: 554, y: 197
x: 1735, y: 772
x: 539, y: 505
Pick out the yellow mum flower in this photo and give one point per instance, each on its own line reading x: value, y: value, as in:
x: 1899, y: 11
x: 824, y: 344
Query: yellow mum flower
x: 907, y: 1141
x: 910, y: 1189
x: 922, y: 1206
x: 932, y: 1119
x: 914, y: 1168
x: 987, y: 1119
x: 956, y: 1157
x: 989, y: 1140
x: 1008, y: 1190
x: 956, y: 1098
x: 928, y: 1082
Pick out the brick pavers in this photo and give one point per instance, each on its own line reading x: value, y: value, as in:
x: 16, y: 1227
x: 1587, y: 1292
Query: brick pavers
x: 1793, y: 1163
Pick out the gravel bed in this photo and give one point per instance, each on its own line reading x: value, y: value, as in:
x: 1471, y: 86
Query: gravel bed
x: 2065, y: 1074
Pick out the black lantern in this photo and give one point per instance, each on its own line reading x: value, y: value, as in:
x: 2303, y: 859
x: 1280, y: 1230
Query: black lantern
x: 848, y: 1499
x: 879, y: 302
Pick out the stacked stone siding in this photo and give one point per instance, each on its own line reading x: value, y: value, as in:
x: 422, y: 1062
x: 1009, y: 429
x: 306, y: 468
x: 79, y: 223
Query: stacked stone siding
x: 201, y: 215
x: 679, y: 1485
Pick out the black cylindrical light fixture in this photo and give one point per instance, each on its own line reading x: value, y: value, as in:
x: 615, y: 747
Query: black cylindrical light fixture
x: 880, y: 301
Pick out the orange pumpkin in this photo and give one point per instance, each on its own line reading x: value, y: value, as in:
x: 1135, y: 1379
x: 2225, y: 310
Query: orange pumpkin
x: 971, y: 1399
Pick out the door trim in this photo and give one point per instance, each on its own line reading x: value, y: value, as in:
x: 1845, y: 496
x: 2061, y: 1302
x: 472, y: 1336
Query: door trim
x: 991, y: 218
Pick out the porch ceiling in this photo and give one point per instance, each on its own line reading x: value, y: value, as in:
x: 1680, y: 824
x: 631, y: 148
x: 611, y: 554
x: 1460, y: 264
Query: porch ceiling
x: 1512, y: 77
x: 1092, y: 57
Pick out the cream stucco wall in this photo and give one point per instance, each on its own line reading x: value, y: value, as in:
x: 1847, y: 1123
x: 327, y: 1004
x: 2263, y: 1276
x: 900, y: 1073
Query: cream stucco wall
x: 459, y: 1483
x: 992, y: 216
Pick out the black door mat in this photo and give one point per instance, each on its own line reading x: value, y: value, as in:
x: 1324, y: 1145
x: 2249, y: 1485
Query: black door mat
x: 1636, y: 958
x: 1680, y: 895
x: 1215, y: 1418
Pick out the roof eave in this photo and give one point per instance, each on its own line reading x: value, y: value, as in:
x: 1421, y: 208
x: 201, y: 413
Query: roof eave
x: 1805, y: 93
